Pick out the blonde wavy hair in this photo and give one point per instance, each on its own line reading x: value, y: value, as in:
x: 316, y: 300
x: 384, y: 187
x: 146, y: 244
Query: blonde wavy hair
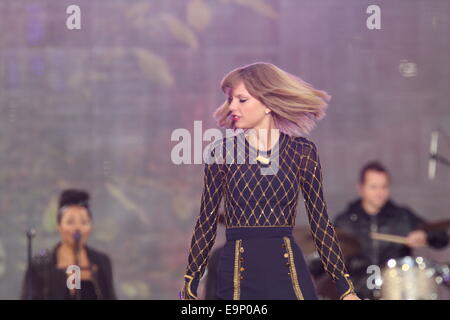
x: 296, y: 105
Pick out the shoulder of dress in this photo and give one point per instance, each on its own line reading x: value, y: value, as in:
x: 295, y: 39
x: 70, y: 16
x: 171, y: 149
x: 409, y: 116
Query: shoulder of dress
x: 221, y: 142
x: 218, y: 150
x: 303, y: 143
x: 228, y: 140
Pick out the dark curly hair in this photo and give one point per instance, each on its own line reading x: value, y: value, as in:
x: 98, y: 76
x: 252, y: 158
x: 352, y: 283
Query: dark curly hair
x: 73, y: 197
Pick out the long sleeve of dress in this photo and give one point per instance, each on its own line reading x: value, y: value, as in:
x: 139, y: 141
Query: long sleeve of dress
x: 205, y: 227
x: 322, y: 228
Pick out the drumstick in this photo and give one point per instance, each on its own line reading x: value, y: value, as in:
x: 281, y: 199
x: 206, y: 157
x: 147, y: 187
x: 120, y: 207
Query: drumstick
x: 388, y: 237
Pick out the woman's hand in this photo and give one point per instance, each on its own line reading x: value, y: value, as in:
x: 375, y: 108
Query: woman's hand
x: 351, y: 296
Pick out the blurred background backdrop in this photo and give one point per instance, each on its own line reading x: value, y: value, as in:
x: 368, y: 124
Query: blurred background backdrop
x: 95, y: 108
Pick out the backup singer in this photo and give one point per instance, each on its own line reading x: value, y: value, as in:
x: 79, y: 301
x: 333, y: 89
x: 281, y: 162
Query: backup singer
x: 48, y: 270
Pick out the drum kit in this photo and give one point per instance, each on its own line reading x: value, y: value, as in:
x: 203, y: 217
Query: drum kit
x: 406, y: 278
x: 413, y: 278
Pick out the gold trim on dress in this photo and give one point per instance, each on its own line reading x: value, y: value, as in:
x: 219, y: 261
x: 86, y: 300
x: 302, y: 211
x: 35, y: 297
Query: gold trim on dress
x: 351, y: 289
x: 188, y: 287
x: 293, y: 270
x: 237, y: 266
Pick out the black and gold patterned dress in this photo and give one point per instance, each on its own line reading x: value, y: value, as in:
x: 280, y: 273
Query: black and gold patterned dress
x: 260, y: 259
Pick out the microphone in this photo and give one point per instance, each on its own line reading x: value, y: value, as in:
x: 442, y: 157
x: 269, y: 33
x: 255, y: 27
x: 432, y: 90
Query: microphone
x: 31, y: 233
x: 77, y: 238
x: 433, y: 153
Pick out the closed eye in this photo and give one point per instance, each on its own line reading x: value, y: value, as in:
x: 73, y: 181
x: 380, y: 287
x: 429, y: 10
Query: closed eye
x: 240, y: 100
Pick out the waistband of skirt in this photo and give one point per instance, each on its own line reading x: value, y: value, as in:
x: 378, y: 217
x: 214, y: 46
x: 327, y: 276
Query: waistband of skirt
x: 257, y: 232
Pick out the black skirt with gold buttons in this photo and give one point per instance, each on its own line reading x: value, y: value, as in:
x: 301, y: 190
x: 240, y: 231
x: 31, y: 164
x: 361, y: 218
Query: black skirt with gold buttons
x: 263, y: 264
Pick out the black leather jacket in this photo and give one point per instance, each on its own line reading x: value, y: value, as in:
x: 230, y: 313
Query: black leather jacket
x: 392, y: 219
x: 49, y: 282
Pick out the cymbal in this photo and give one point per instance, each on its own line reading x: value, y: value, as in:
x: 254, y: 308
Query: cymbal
x: 349, y: 244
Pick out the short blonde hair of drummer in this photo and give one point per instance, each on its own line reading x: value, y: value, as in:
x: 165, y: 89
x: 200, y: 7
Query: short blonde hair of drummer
x: 295, y: 104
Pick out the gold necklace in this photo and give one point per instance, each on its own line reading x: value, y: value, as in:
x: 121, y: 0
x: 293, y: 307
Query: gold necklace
x: 262, y: 159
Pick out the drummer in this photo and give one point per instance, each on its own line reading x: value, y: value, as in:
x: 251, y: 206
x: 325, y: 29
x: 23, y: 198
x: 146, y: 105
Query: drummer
x: 374, y: 211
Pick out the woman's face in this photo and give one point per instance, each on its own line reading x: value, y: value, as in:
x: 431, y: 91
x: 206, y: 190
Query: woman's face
x: 246, y: 111
x: 74, y: 218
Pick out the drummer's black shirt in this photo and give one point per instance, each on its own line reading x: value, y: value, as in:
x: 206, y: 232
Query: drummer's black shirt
x: 392, y: 219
